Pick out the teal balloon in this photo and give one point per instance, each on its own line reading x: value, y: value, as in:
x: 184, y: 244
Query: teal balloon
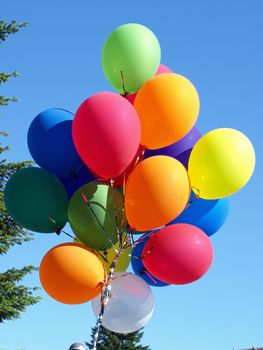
x: 130, y: 56
x: 92, y: 215
x: 36, y: 200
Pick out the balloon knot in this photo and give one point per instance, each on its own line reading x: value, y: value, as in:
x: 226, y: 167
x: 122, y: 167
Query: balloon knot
x: 74, y: 175
x: 58, y: 230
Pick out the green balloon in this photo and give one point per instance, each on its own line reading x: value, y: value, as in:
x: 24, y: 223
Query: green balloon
x: 36, y: 200
x: 130, y: 56
x: 91, y: 215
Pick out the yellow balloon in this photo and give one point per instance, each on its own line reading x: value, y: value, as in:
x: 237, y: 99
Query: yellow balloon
x: 123, y: 261
x: 109, y: 254
x: 221, y: 163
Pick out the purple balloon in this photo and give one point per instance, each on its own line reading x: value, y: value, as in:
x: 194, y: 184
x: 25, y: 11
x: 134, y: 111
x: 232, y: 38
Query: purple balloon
x: 180, y: 150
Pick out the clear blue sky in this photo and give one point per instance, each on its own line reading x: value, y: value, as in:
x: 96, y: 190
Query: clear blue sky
x: 217, y: 45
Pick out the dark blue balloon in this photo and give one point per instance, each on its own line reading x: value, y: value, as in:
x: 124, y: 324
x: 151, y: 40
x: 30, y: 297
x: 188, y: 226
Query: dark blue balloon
x: 50, y: 142
x: 74, y: 182
x: 208, y: 215
x: 138, y: 267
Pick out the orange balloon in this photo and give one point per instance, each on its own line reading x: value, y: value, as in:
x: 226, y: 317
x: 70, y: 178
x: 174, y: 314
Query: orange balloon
x: 157, y: 191
x: 168, y: 106
x: 71, y: 273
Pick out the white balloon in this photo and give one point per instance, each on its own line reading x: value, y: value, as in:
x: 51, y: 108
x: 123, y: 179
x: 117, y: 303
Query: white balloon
x: 77, y: 346
x: 130, y: 305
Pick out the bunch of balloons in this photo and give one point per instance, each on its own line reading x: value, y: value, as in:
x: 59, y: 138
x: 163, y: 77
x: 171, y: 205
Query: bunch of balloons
x: 128, y: 162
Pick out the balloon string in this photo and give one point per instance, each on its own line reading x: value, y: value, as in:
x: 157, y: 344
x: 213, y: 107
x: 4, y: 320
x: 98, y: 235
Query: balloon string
x: 150, y: 234
x: 96, y: 218
x: 123, y: 86
x: 118, y: 229
x: 149, y: 275
x: 105, y: 295
x: 59, y: 229
x: 147, y: 253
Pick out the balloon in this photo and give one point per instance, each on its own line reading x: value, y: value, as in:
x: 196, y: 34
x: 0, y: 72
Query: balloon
x: 71, y: 274
x: 221, y: 163
x: 208, y: 215
x: 178, y: 254
x: 91, y: 215
x: 139, y: 268
x: 130, y: 56
x: 130, y: 305
x: 180, y: 150
x: 123, y: 261
x: 77, y: 346
x: 168, y: 106
x: 50, y: 142
x: 106, y: 133
x: 161, y: 70
x: 156, y: 192
x: 74, y: 182
x: 36, y: 200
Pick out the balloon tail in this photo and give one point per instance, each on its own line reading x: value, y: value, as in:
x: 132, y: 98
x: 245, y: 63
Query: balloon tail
x: 96, y: 218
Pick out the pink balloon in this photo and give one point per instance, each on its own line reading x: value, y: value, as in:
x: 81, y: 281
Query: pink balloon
x: 178, y: 254
x: 106, y: 133
x: 161, y: 70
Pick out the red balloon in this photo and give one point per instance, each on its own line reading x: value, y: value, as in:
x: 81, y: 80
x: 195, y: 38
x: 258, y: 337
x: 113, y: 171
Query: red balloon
x: 178, y: 254
x: 106, y: 133
x: 161, y: 70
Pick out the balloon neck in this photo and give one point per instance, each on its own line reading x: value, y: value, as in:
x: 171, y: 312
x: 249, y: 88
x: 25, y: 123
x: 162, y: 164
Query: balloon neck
x: 74, y: 175
x: 196, y: 192
x: 58, y: 231
x: 58, y: 228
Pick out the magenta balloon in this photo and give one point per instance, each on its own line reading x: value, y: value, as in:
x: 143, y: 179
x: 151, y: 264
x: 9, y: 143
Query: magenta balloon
x: 178, y: 254
x: 106, y: 133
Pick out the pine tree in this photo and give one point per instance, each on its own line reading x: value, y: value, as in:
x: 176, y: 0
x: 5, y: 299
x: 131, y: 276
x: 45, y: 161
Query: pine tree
x: 14, y: 297
x: 114, y: 341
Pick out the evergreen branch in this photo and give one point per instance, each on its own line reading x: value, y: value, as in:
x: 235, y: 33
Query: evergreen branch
x: 4, y: 101
x: 12, y: 27
x: 5, y: 77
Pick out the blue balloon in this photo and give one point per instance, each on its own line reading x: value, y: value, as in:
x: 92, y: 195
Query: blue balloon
x: 74, y: 182
x: 50, y: 142
x: 138, y: 267
x: 208, y: 215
